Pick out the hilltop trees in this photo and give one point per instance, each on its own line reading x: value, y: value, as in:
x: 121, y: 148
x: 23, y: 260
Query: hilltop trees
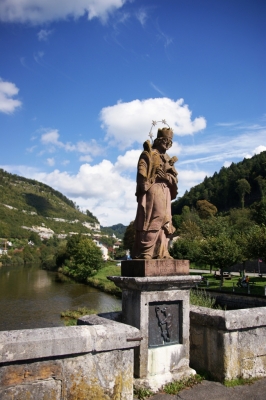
x: 220, y: 189
x: 211, y: 229
x: 242, y: 188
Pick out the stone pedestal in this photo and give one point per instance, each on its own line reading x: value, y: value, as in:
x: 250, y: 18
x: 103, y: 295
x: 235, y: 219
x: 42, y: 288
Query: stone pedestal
x: 159, y: 307
x: 165, y: 267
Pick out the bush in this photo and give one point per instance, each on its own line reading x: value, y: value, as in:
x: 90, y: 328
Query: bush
x: 82, y: 259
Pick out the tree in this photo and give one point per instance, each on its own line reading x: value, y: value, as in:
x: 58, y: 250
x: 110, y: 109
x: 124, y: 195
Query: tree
x: 83, y: 257
x: 259, y: 212
x: 205, y: 209
x: 262, y: 185
x: 242, y: 188
x: 89, y: 214
x: 190, y: 230
x: 256, y: 242
x: 240, y: 220
x: 35, y: 238
x: 29, y: 255
x: 183, y: 249
x: 220, y: 252
x: 214, y: 226
x: 129, y: 237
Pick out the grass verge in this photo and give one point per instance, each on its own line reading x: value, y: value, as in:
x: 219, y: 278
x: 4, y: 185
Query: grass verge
x: 239, y: 382
x: 176, y: 386
x: 142, y: 393
x: 200, y: 297
x: 101, y: 282
x: 71, y: 316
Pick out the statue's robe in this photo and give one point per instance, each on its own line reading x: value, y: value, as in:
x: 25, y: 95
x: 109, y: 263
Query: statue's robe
x: 153, y: 221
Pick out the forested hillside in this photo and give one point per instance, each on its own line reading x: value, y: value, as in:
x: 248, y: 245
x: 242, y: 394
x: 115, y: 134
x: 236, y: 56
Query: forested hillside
x: 118, y: 230
x: 240, y: 184
x: 222, y: 221
x: 26, y: 202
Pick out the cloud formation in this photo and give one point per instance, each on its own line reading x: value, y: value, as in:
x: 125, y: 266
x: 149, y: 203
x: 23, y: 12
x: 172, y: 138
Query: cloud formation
x: 50, y: 162
x: 7, y: 91
x: 43, y: 34
x: 126, y: 123
x: 50, y: 139
x: 100, y: 188
x: 41, y: 11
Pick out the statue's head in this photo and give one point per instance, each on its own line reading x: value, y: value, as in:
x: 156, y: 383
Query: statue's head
x: 166, y: 133
x: 164, y: 139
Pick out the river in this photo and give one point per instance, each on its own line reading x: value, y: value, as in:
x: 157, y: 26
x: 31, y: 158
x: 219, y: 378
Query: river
x: 34, y: 298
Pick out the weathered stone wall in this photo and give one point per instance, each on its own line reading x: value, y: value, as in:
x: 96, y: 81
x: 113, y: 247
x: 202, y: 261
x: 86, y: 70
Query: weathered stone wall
x: 68, y: 363
x: 228, y: 344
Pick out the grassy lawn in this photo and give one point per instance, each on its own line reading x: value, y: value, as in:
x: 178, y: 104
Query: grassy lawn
x: 256, y: 286
x: 101, y: 282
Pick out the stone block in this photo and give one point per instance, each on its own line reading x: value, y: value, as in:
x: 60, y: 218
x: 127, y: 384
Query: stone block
x: 164, y: 267
x: 228, y: 344
x: 100, y: 376
x: 43, y: 390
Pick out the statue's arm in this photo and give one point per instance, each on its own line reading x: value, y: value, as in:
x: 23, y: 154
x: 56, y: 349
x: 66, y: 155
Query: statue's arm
x: 143, y: 181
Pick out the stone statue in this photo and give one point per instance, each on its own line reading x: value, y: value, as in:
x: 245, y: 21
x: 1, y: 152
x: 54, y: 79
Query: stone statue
x: 156, y: 187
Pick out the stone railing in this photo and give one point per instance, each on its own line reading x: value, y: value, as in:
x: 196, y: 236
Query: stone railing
x: 228, y: 344
x: 77, y: 362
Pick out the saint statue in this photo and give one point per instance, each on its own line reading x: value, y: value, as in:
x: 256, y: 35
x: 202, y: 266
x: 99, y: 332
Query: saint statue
x: 156, y: 187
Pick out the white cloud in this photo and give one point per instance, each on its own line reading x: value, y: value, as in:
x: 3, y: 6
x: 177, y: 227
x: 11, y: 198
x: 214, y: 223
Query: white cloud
x: 141, y: 16
x: 43, y: 34
x: 102, y: 188
x: 38, y: 57
x: 65, y: 162
x: 31, y: 149
x: 221, y: 148
x: 189, y: 178
x: 8, y: 90
x: 40, y: 11
x: 90, y: 147
x: 227, y: 164
x: 86, y: 158
x: 51, y: 139
x: 99, y: 188
x: 126, y: 123
x: 259, y: 149
x: 50, y: 162
x: 128, y: 161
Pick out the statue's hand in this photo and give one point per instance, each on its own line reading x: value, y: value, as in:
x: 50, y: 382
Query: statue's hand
x: 162, y: 174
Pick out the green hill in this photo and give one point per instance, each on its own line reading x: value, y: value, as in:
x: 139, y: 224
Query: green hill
x: 221, y: 188
x: 28, y: 203
x: 118, y: 230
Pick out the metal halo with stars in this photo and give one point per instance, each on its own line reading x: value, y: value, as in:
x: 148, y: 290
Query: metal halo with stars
x: 153, y: 123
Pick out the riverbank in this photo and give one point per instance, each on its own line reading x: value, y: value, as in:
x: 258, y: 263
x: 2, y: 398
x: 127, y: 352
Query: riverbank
x: 100, y: 281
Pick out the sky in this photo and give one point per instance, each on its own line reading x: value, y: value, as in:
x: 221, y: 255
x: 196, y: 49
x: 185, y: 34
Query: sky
x: 82, y: 80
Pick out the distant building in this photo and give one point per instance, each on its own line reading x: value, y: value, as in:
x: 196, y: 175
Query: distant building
x: 103, y: 249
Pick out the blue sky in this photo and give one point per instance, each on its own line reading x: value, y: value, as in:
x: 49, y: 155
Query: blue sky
x: 81, y: 82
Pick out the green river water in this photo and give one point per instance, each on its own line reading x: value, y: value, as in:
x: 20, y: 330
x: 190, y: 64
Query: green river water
x: 34, y: 298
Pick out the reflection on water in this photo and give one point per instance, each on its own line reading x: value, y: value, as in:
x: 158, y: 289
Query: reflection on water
x: 34, y: 298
